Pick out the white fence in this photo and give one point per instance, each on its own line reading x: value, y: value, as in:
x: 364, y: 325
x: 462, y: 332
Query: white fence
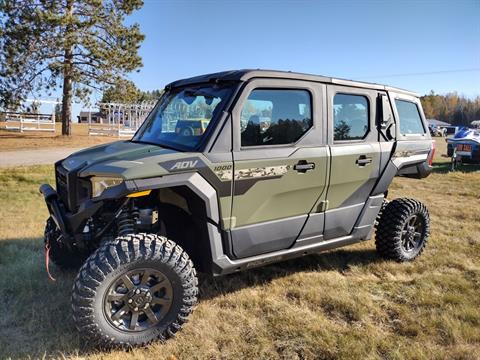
x: 29, y: 122
x: 119, y: 120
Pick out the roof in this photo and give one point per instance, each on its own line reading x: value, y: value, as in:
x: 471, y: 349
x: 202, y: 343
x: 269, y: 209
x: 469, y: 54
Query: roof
x: 437, y: 122
x: 247, y: 74
x: 87, y: 113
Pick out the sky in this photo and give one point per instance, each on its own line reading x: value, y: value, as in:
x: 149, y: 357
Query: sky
x: 418, y: 45
x: 361, y: 40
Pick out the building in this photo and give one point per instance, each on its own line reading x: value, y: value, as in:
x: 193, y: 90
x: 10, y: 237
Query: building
x: 437, y: 123
x: 95, y: 116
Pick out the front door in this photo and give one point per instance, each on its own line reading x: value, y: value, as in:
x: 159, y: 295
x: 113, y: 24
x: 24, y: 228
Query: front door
x: 280, y: 163
x: 355, y: 156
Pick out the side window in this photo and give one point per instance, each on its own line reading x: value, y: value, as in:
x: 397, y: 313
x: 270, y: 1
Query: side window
x: 275, y: 116
x: 410, y: 120
x: 350, y: 117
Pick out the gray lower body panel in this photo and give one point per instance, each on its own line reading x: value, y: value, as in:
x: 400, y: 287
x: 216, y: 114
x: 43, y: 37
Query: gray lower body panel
x: 311, y: 239
x: 370, y: 211
x: 340, y: 221
x: 227, y: 266
x: 266, y: 237
x: 313, y: 230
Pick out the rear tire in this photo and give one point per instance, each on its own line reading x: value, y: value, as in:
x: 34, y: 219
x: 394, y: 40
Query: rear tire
x: 402, y: 230
x: 134, y: 290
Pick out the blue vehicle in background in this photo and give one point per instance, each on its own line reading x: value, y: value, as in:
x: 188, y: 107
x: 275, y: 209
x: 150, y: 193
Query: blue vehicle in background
x: 465, y: 145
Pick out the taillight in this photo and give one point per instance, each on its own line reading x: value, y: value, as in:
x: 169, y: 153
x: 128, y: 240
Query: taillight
x: 431, y: 154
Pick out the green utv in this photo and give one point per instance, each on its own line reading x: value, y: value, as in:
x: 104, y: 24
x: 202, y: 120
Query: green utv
x: 282, y: 165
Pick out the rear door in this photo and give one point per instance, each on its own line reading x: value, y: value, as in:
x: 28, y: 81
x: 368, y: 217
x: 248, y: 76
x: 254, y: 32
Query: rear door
x: 355, y: 156
x: 280, y: 163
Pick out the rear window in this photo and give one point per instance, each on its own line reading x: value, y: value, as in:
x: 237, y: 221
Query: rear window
x: 410, y: 119
x: 350, y: 117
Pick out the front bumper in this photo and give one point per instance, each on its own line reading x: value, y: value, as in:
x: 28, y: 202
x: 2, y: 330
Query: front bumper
x: 68, y: 223
x: 53, y: 205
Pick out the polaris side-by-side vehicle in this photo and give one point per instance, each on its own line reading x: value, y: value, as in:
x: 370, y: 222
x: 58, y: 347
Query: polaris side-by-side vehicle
x: 282, y: 165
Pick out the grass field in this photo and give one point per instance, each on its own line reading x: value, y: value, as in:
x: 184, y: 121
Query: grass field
x: 10, y: 140
x: 345, y: 304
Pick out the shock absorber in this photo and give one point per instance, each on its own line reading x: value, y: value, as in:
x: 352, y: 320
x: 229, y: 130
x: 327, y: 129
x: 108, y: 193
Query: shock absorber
x: 127, y: 219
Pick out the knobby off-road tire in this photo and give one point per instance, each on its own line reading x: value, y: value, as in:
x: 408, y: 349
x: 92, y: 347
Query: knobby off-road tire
x: 62, y: 256
x: 133, y: 290
x: 402, y: 230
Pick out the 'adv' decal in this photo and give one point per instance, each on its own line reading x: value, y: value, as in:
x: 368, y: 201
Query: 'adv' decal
x: 184, y: 165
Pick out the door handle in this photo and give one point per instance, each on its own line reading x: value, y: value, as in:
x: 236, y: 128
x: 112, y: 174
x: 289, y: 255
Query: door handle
x: 303, y: 166
x: 363, y: 160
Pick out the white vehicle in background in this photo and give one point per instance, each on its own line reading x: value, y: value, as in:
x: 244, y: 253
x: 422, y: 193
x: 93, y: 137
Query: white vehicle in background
x: 437, y: 131
x: 465, y: 146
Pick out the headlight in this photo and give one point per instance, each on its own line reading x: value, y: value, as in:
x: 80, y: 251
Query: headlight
x: 100, y: 184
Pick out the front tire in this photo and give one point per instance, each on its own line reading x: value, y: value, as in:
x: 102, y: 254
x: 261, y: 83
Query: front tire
x: 133, y: 290
x: 402, y: 230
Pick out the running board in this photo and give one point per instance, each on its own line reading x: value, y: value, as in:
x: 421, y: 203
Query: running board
x: 225, y: 265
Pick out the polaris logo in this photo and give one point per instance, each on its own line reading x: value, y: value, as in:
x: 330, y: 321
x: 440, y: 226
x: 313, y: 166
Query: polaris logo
x: 184, y: 165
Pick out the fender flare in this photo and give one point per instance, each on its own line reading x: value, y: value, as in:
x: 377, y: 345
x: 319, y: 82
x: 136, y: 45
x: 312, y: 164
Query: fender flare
x: 201, y: 187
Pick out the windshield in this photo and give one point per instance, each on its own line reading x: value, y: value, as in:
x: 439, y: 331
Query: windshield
x: 183, y: 116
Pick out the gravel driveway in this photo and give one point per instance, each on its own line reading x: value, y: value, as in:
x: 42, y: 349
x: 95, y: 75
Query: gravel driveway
x: 34, y: 157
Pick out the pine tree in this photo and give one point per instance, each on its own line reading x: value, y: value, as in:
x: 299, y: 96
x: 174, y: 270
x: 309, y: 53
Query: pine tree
x: 126, y: 92
x: 123, y: 91
x: 78, y: 45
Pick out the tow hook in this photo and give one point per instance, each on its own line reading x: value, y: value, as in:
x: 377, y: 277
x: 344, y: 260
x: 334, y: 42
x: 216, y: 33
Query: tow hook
x: 47, y: 261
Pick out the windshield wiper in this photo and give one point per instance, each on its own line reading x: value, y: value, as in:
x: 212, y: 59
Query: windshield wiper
x: 156, y: 144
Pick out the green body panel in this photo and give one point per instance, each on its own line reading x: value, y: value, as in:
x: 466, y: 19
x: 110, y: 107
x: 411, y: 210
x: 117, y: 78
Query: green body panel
x: 347, y: 177
x: 225, y: 204
x: 284, y: 192
x: 264, y: 190
x: 133, y: 161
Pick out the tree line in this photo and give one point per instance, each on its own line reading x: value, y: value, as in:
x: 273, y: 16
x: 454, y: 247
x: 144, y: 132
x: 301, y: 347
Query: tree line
x: 126, y: 92
x: 451, y: 108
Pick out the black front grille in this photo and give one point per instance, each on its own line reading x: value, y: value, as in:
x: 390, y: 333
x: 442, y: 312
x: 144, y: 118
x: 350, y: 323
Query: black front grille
x: 71, y: 189
x: 83, y: 190
x: 62, y: 184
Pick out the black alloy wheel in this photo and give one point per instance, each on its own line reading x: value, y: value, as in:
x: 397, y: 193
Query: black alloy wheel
x: 138, y: 300
x: 403, y: 229
x: 412, y: 233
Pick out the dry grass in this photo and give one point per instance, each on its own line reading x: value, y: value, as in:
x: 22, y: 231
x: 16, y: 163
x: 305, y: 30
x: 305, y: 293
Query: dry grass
x: 10, y: 140
x: 346, y: 303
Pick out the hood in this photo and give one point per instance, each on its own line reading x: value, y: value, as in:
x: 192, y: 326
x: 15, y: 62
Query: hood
x: 127, y: 159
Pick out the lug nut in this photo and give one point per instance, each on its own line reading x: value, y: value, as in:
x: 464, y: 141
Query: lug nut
x: 136, y: 309
x: 137, y: 291
x: 146, y: 305
x: 130, y: 301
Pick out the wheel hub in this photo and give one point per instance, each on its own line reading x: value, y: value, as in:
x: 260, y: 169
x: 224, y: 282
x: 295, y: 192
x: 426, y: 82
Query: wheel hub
x: 138, y: 300
x: 412, y: 233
